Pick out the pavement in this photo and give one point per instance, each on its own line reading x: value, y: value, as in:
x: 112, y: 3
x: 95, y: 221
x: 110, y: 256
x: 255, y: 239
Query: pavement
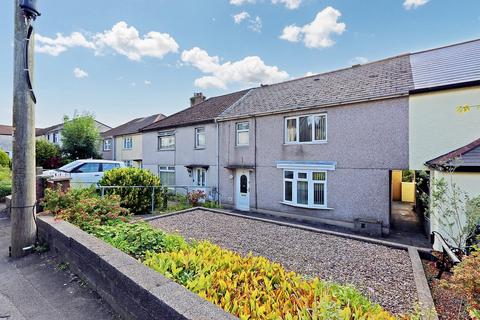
x: 40, y: 287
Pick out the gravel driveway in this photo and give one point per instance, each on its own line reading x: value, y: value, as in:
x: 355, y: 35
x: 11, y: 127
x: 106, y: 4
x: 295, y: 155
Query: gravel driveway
x: 382, y: 273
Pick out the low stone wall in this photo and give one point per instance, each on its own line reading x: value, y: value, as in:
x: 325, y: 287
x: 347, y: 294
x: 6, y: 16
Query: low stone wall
x: 131, y: 288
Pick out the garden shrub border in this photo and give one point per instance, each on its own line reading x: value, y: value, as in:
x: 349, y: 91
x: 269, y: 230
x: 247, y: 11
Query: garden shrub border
x: 131, y: 288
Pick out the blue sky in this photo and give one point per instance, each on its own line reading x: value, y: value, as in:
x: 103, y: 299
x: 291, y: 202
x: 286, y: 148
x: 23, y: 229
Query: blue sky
x: 134, y: 58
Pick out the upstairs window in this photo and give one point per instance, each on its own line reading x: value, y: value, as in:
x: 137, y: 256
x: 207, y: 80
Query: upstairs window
x: 107, y: 145
x: 242, y: 133
x: 166, y: 140
x: 306, y: 129
x: 200, y: 138
x: 127, y: 143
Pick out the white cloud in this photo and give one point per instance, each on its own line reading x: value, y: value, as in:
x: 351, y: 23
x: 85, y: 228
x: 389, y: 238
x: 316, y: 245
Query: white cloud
x: 59, y: 44
x: 255, y: 24
x: 122, y: 39
x: 289, y: 4
x: 250, y: 70
x: 239, y: 17
x: 126, y: 41
x: 318, y: 33
x: 133, y: 84
x: 79, y: 73
x: 241, y: 2
x: 358, y: 60
x: 412, y: 4
x: 309, y: 73
x: 147, y: 82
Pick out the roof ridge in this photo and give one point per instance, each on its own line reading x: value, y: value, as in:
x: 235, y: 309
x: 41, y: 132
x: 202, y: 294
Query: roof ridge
x: 446, y: 46
x: 338, y: 70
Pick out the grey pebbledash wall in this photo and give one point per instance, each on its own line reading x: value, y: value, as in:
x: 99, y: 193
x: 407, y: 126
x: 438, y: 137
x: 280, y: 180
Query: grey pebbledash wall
x: 366, y: 140
x: 131, y: 288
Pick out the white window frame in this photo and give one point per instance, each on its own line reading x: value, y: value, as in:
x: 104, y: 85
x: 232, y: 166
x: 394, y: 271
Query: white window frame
x: 311, y: 183
x: 126, y: 145
x: 168, y: 169
x: 128, y: 163
x: 237, y: 131
x: 56, y: 137
x: 166, y: 134
x: 196, y: 173
x: 197, y: 134
x: 107, y: 145
x: 297, y: 119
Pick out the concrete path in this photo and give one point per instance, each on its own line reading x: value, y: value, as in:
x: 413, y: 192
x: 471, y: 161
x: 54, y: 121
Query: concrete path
x: 39, y: 286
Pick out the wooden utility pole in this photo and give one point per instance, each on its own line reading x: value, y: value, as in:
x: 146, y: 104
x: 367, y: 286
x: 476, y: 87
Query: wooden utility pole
x: 23, y: 177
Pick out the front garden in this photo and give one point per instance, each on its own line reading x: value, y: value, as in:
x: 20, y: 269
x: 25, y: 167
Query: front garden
x: 251, y: 287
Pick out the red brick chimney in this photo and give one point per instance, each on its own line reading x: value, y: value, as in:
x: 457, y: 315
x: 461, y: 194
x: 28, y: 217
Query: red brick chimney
x: 197, y: 98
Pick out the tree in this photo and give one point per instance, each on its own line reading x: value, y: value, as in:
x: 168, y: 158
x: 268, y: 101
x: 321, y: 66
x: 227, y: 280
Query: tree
x: 47, y: 154
x: 80, y: 137
x: 4, y: 159
x: 456, y: 211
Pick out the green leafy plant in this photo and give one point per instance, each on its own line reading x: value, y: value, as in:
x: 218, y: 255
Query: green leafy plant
x: 5, y: 182
x: 80, y: 137
x: 466, y: 281
x: 456, y: 211
x: 83, y: 207
x: 47, y: 154
x: 212, y: 205
x: 253, y: 287
x: 4, y: 159
x: 138, y: 200
x: 138, y: 238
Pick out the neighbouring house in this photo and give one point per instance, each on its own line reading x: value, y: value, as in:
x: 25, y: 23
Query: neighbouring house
x: 440, y: 138
x: 124, y: 143
x: 54, y: 133
x: 319, y: 148
x: 6, y: 138
x: 182, y: 148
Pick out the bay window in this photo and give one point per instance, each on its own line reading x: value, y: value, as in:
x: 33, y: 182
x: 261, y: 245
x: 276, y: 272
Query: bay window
x: 305, y: 188
x: 306, y: 129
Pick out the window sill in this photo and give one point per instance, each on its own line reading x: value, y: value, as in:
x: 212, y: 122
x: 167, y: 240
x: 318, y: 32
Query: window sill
x: 199, y: 148
x: 305, y: 206
x: 159, y: 150
x: 242, y: 146
x: 302, y: 143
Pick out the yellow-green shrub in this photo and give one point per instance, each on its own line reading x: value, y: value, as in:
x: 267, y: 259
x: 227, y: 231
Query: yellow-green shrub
x: 255, y: 288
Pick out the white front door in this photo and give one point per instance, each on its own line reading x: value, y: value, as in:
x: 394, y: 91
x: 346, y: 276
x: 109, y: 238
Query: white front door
x: 242, y: 190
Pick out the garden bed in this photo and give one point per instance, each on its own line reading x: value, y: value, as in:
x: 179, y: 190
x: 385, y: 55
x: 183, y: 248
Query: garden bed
x: 381, y: 273
x: 245, y: 285
x: 449, y: 305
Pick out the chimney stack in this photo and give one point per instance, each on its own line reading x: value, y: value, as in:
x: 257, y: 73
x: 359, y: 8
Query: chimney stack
x: 197, y: 98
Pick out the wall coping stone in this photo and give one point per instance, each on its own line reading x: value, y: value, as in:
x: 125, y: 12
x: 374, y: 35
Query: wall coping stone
x: 131, y: 288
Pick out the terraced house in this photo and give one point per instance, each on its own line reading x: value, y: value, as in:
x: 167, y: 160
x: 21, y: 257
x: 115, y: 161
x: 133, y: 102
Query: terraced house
x: 320, y: 148
x: 183, y: 148
x: 443, y: 141
x: 124, y: 143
